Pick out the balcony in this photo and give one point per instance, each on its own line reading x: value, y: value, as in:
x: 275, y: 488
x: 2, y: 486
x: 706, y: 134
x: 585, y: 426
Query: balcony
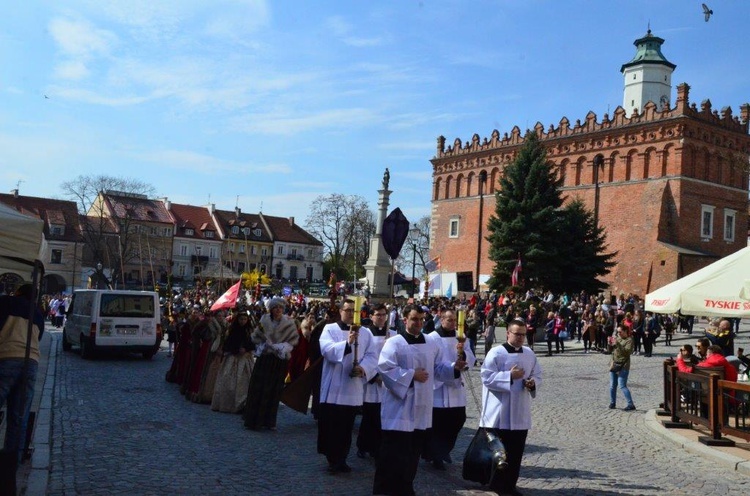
x: 300, y: 258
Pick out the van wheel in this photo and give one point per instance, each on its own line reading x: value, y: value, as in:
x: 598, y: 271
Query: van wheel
x: 86, y: 352
x: 148, y: 355
x: 66, y: 346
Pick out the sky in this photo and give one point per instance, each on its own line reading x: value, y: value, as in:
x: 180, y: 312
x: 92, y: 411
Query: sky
x: 270, y: 104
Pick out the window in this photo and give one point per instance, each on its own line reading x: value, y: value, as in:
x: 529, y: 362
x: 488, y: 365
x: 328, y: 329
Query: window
x: 253, y: 250
x: 56, y: 257
x: 242, y: 248
x: 293, y: 272
x: 309, y: 253
x: 152, y: 231
x: 257, y: 233
x: 57, y: 230
x: 183, y: 250
x: 198, y: 250
x: 280, y: 250
x: 264, y: 251
x: 212, y: 252
x: 189, y: 232
x: 231, y: 247
x: 453, y: 230
x: 293, y: 251
x: 729, y: 217
x: 167, y: 232
x: 181, y: 270
x: 246, y: 231
x: 240, y: 267
x: 707, y: 221
x: 235, y: 230
x: 208, y: 234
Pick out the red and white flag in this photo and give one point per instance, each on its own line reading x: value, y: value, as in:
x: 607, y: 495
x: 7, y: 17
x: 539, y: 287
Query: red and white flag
x: 228, y: 299
x: 514, y: 277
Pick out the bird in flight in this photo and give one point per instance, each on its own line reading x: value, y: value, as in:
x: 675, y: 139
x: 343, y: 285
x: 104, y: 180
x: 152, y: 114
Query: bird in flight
x: 707, y: 12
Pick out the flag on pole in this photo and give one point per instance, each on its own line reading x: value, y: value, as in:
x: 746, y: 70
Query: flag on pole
x: 449, y: 291
x: 228, y: 299
x: 514, y: 277
x: 433, y: 265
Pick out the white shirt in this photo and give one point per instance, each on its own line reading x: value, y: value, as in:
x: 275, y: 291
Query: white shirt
x: 450, y: 393
x: 406, y: 406
x: 506, y: 405
x: 336, y: 386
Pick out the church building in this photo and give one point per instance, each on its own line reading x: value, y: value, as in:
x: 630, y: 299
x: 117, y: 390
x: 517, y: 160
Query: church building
x: 667, y: 180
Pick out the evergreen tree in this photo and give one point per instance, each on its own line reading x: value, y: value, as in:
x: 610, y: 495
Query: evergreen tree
x: 526, y: 220
x: 582, y: 250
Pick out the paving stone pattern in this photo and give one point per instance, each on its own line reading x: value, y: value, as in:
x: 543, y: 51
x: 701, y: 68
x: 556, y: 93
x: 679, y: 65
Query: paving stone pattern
x: 120, y: 428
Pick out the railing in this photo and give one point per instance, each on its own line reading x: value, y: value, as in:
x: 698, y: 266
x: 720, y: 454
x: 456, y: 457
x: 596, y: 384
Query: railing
x: 704, y: 398
x: 734, y: 409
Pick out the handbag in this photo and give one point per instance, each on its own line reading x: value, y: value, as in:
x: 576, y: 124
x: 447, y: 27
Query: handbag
x: 563, y: 335
x: 485, y: 457
x: 616, y: 367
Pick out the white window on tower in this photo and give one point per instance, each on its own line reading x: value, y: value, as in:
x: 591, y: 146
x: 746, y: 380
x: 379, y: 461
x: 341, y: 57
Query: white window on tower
x: 707, y: 221
x: 453, y: 228
x: 729, y: 224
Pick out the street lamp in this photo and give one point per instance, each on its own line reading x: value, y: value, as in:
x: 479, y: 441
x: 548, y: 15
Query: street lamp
x: 482, y: 180
x: 414, y: 235
x: 598, y: 162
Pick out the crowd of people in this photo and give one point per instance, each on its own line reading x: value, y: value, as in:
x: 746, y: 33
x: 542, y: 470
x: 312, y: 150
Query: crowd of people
x: 400, y: 365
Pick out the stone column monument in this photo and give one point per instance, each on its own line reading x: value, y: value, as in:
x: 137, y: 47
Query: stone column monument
x: 378, y: 266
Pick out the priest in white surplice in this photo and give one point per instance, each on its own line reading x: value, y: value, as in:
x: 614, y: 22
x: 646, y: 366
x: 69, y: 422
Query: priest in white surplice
x: 342, y: 385
x: 510, y: 377
x: 408, y: 365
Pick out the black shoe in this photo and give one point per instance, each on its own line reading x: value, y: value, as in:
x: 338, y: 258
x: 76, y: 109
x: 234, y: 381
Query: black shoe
x: 611, y: 406
x: 438, y: 464
x: 629, y: 408
x: 339, y: 468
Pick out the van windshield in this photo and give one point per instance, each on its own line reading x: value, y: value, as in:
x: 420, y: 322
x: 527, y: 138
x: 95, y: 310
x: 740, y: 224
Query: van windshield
x: 122, y: 305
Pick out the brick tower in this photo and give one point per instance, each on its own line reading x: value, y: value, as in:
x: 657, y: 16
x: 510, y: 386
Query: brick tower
x: 670, y: 188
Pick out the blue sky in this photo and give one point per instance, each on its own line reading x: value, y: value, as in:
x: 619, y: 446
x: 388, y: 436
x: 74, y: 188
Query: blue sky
x: 279, y: 102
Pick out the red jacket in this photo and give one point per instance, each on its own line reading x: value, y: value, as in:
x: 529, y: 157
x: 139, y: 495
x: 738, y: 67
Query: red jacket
x: 718, y: 360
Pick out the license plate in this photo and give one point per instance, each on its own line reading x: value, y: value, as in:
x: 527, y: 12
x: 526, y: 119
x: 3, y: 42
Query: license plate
x: 127, y: 330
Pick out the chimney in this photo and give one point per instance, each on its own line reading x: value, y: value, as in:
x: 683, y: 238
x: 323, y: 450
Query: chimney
x: 167, y: 203
x: 291, y: 221
x: 237, y: 212
x: 14, y: 192
x: 212, y: 207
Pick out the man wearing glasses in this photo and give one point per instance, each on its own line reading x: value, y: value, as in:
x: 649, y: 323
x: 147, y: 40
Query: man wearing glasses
x: 342, y: 385
x: 510, y: 376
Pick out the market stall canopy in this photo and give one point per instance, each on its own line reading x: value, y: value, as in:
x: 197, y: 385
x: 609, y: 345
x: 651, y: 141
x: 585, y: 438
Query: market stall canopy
x: 721, y: 289
x: 20, y: 239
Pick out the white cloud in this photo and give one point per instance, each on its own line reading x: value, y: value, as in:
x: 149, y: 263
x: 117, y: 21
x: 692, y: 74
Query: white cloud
x: 80, y: 38
x: 72, y: 70
x: 287, y: 124
x: 206, y: 164
x: 342, y: 30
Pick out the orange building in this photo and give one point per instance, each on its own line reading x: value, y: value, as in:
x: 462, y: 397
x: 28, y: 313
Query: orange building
x: 670, y: 186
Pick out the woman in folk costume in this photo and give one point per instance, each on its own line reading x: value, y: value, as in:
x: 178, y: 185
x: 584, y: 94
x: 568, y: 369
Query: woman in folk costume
x: 203, y: 336
x: 181, y: 359
x: 230, y: 392
x: 218, y: 325
x: 274, y: 339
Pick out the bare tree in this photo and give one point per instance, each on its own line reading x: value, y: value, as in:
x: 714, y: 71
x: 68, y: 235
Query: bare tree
x: 416, y: 249
x: 113, y: 242
x: 344, y: 224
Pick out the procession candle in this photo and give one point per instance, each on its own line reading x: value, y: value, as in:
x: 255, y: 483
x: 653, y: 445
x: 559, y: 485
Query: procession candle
x: 357, y: 310
x: 461, y: 323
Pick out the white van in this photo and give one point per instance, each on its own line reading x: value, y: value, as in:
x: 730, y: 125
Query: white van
x: 104, y: 319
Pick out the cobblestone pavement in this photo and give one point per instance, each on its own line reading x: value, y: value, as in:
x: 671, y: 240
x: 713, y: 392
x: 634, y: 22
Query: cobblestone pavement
x: 119, y: 428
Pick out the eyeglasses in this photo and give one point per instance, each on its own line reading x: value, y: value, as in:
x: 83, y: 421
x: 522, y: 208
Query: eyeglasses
x: 517, y: 333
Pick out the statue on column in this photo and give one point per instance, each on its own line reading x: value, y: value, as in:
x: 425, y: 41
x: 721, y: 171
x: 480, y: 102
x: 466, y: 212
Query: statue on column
x: 386, y: 178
